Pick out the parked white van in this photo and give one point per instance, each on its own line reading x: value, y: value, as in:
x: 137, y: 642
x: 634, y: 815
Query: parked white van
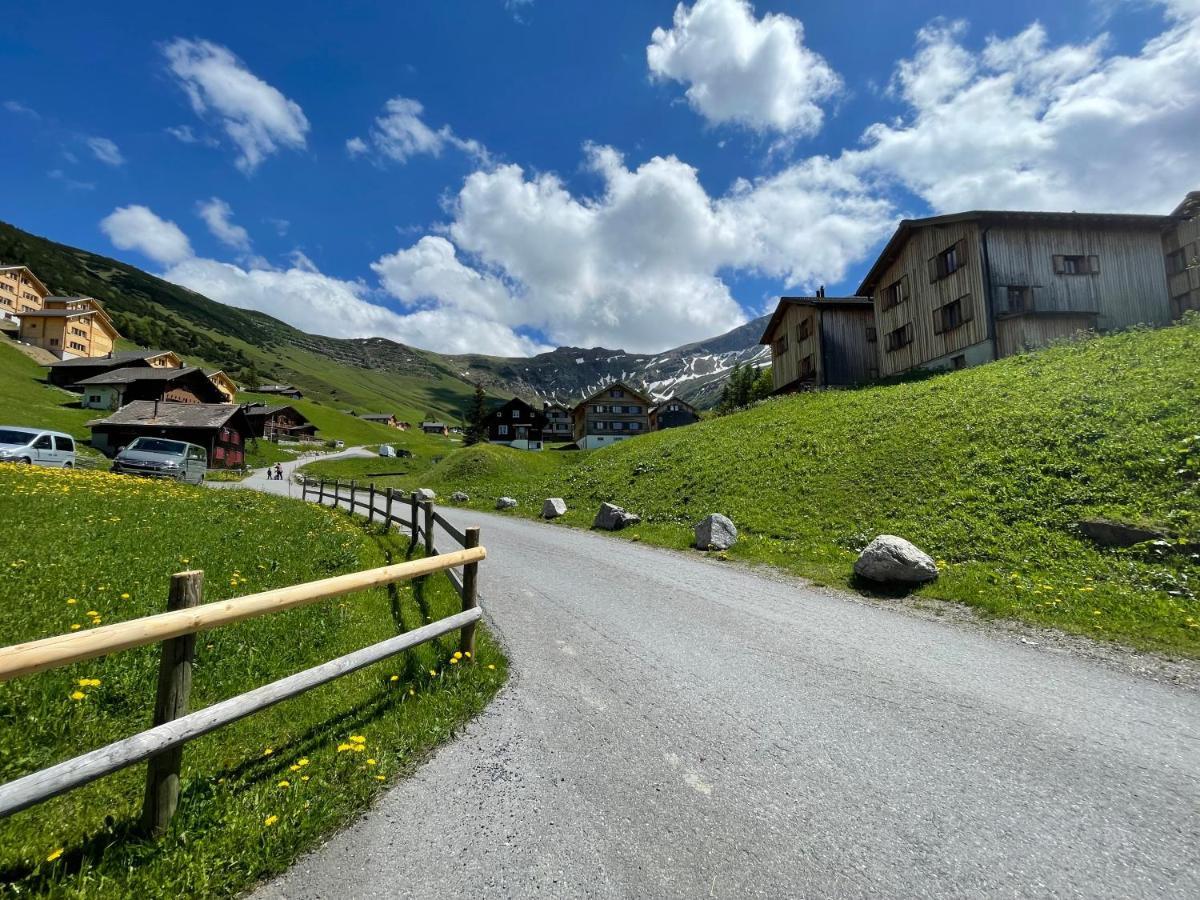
x: 36, y: 447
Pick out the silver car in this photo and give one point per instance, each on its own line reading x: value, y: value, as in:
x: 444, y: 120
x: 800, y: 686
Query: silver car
x: 36, y: 447
x: 162, y: 458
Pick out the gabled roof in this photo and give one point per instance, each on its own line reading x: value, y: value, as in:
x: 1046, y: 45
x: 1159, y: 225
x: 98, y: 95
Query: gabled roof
x: 116, y: 359
x: 132, y: 374
x: 28, y: 271
x: 377, y: 417
x: 1004, y: 217
x: 261, y: 411
x: 672, y: 399
x: 615, y: 384
x: 161, y: 414
x: 823, y: 302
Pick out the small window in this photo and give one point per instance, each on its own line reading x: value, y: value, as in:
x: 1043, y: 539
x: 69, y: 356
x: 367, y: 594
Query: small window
x: 872, y: 335
x: 948, y: 261
x: 804, y: 330
x: 1019, y: 298
x: 616, y: 394
x: 635, y: 426
x: 1176, y: 262
x: 895, y: 293
x: 601, y: 426
x: 953, y: 314
x: 617, y: 426
x: 900, y: 337
x: 502, y: 429
x: 93, y: 398
x: 598, y: 409
x: 807, y: 369
x: 64, y: 443
x: 1076, y: 265
x: 780, y: 346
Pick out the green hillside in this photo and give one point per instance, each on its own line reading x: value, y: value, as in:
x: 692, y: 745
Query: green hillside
x: 369, y: 375
x: 986, y: 469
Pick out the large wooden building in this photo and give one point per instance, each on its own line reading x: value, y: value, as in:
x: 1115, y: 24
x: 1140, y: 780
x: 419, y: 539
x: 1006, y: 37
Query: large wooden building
x: 67, y: 372
x: 69, y: 327
x: 516, y: 424
x: 613, y: 413
x: 1181, y: 245
x: 821, y: 341
x: 114, y: 389
x: 672, y: 413
x: 558, y: 428
x: 220, y: 428
x: 20, y: 292
x: 957, y: 290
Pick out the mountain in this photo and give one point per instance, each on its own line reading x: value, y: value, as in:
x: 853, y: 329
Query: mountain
x: 364, y: 374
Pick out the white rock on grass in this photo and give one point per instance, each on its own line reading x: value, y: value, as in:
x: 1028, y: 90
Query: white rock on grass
x: 715, y: 532
x: 426, y: 494
x: 459, y: 497
x: 505, y: 503
x: 554, y: 507
x: 893, y: 560
x: 613, y: 518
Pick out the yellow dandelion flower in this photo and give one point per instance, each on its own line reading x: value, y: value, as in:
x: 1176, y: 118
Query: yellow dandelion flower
x: 124, y: 596
x: 433, y: 672
x: 467, y: 654
x: 284, y: 784
x: 412, y: 692
x: 89, y: 682
x: 268, y: 751
x: 270, y: 820
x: 293, y: 768
x: 381, y: 778
x: 342, y: 748
x: 394, y: 678
x: 453, y: 662
x: 92, y: 612
x: 490, y: 666
x: 357, y: 739
x: 71, y: 601
x: 302, y: 761
x: 78, y: 695
x: 304, y: 778
x: 76, y: 627
x: 370, y: 762
x: 457, y: 655
x: 54, y: 854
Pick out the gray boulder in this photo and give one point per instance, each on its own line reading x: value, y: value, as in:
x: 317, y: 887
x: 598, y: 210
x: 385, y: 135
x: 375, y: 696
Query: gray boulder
x: 613, y: 518
x: 554, y: 507
x: 505, y: 503
x: 426, y: 494
x: 459, y: 497
x: 893, y: 560
x: 715, y: 532
x: 1110, y: 533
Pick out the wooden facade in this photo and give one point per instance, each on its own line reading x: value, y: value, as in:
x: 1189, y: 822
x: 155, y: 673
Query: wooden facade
x: 558, y: 428
x: 958, y: 290
x: 220, y: 428
x: 112, y: 390
x: 822, y: 342
x: 70, y: 327
x: 68, y: 372
x: 20, y: 291
x: 673, y: 413
x: 276, y: 423
x: 613, y: 413
x: 516, y: 424
x: 1181, y: 249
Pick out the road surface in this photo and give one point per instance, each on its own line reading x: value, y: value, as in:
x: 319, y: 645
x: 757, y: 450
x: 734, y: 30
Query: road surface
x: 678, y: 727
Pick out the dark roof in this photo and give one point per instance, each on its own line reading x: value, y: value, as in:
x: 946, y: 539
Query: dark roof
x: 258, y: 409
x: 273, y: 388
x: 129, y: 375
x: 116, y: 358
x: 433, y: 424
x: 609, y: 387
x: 823, y: 302
x: 1189, y: 207
x: 172, y: 415
x: 57, y: 313
x: 672, y: 399
x: 1005, y: 217
x: 377, y: 417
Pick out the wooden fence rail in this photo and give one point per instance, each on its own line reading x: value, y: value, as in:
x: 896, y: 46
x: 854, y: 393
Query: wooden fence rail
x: 173, y: 725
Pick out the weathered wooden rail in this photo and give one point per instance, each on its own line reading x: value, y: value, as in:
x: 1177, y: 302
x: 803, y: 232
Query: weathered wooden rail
x: 422, y: 522
x: 173, y: 725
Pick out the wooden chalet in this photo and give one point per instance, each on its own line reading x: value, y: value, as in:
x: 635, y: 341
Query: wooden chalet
x: 282, y: 390
x: 220, y: 428
x: 1181, y: 244
x: 381, y: 418
x: 821, y: 341
x: 276, y: 423
x: 223, y: 383
x: 672, y: 413
x: 558, y: 428
x: 516, y: 424
x: 613, y: 413
x: 436, y: 428
x: 68, y: 372
x: 112, y: 390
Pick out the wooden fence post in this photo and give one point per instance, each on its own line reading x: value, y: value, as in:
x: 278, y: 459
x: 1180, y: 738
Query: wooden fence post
x: 412, y: 543
x: 371, y: 505
x: 353, y: 498
x: 470, y: 595
x: 387, y: 518
x: 303, y: 487
x: 321, y: 494
x: 171, y: 702
x: 428, y: 504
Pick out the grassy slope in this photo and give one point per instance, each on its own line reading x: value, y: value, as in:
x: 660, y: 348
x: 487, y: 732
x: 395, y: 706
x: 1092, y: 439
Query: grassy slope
x: 116, y: 541
x: 985, y: 469
x: 26, y: 400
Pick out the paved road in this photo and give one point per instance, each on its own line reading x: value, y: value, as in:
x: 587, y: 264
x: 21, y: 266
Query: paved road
x: 678, y: 727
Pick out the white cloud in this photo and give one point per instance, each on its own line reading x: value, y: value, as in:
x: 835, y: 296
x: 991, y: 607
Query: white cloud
x: 1028, y: 124
x: 218, y: 215
x: 137, y: 228
x: 106, y: 151
x: 16, y: 106
x: 255, y: 116
x: 739, y: 69
x: 401, y: 133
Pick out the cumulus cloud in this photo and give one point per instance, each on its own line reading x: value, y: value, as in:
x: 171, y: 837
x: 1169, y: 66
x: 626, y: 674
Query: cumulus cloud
x: 1030, y: 124
x: 106, y: 151
x: 218, y: 216
x: 755, y: 72
x: 138, y: 228
x: 401, y: 133
x: 257, y: 117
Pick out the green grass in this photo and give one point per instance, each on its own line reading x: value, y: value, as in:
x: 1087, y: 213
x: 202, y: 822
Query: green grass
x: 26, y: 400
x: 985, y: 469
x: 102, y: 549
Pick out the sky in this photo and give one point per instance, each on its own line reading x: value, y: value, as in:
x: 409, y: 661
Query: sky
x: 507, y: 176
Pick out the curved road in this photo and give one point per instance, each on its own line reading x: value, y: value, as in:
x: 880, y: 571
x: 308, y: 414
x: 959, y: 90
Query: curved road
x: 685, y: 728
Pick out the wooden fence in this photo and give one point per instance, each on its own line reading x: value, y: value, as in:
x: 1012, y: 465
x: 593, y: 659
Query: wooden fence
x: 173, y: 725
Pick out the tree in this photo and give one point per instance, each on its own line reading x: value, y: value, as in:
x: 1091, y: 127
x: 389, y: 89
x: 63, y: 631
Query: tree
x: 476, y: 413
x: 763, y: 385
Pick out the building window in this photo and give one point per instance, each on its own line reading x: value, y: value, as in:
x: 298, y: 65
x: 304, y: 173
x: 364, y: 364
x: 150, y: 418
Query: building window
x: 1076, y: 265
x: 516, y: 413
x: 674, y: 407
x: 600, y: 426
x: 807, y: 369
x: 93, y: 398
x: 895, y: 293
x: 53, y: 342
x: 598, y: 408
x: 1019, y: 298
x: 75, y: 345
x: 502, y: 429
x: 804, y: 330
x: 948, y: 261
x: 781, y: 344
x: 872, y: 335
x: 617, y: 426
x: 958, y: 362
x: 951, y: 315
x: 635, y: 426
x: 616, y: 393
x: 900, y: 337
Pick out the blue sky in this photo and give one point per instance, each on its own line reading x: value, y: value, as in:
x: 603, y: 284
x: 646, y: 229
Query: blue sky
x: 502, y: 177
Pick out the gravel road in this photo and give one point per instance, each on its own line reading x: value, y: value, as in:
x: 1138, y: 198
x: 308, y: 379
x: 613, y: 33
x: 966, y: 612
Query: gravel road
x: 681, y: 727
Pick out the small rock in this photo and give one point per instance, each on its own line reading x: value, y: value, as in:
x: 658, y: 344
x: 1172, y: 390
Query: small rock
x: 459, y: 497
x: 1110, y: 533
x: 613, y: 518
x: 893, y: 560
x: 426, y: 494
x: 505, y: 503
x: 715, y: 532
x: 554, y: 507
